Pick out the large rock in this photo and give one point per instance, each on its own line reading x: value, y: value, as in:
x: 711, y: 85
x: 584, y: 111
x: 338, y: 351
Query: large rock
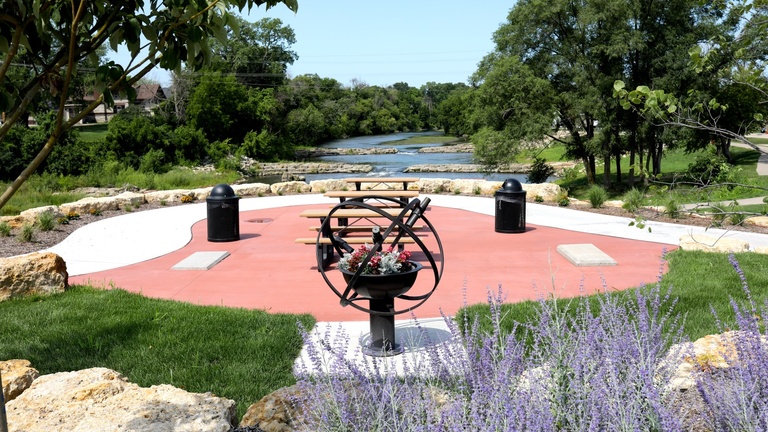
x: 17, y: 376
x: 289, y: 188
x: 710, y: 355
x: 279, y: 411
x: 101, y: 399
x: 547, y: 191
x: 251, y: 189
x: 323, y: 186
x: 169, y: 196
x: 701, y: 242
x: 36, y: 273
x: 434, y: 185
x: 32, y: 214
x: 760, y: 221
x: 101, y: 204
x: 474, y: 186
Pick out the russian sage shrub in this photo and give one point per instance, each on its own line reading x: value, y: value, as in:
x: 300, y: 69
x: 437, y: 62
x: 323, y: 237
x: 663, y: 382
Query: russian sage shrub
x: 581, y: 365
x: 737, y: 396
x: 586, y: 367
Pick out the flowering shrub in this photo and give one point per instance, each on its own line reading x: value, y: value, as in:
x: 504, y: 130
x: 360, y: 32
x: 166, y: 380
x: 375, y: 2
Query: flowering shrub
x: 386, y: 262
x: 582, y: 367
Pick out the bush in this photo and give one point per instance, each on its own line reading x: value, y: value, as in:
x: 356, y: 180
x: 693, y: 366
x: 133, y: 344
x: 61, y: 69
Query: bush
x: 672, y: 208
x: 5, y: 229
x: 710, y: 168
x: 597, y: 196
x: 633, y: 200
x: 540, y: 171
x: 46, y: 221
x: 585, y: 366
x: 562, y: 198
x: 27, y: 233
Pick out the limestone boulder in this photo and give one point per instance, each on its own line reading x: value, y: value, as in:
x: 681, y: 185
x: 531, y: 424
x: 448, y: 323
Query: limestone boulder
x: 101, y: 204
x: 434, y: 185
x: 200, y: 194
x: 32, y: 214
x: 701, y: 242
x: 547, y: 191
x: 761, y: 221
x: 279, y: 411
x: 685, y: 363
x: 289, y: 188
x: 761, y: 250
x: 16, y: 221
x: 101, y: 399
x: 168, y: 196
x: 251, y: 189
x: 17, y: 376
x: 475, y: 186
x: 133, y: 199
x: 90, y: 205
x: 36, y: 273
x: 323, y: 186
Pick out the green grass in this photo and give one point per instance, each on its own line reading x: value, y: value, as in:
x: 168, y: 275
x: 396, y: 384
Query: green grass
x: 47, y: 189
x: 674, y: 164
x: 92, y: 132
x: 700, y: 282
x: 234, y: 353
x: 428, y: 139
x: 758, y: 140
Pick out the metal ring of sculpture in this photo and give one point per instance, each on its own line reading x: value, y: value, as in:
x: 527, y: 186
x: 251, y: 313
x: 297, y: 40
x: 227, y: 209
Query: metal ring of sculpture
x: 349, y: 297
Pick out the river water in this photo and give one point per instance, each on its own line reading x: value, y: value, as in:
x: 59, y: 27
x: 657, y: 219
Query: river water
x: 392, y: 165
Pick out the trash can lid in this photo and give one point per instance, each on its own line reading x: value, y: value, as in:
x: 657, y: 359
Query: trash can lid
x: 512, y: 185
x: 222, y: 191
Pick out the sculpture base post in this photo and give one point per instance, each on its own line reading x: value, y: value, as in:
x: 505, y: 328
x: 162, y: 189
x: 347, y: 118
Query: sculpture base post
x: 382, y: 330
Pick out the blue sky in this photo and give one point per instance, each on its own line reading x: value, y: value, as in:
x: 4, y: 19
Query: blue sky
x: 382, y: 43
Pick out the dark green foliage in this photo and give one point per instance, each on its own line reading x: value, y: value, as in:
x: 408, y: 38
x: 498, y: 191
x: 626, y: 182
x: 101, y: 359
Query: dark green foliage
x: 540, y: 171
x: 709, y: 168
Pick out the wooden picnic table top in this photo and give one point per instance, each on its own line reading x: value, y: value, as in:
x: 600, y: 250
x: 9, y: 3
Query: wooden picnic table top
x: 382, y: 179
x: 350, y: 213
x: 383, y: 193
x: 358, y: 181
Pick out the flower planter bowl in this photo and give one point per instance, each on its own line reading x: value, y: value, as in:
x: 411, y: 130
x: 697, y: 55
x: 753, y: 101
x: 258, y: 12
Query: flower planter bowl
x: 383, y: 286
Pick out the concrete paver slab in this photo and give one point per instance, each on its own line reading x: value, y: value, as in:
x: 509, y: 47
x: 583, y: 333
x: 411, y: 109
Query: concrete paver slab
x: 585, y: 255
x: 203, y: 260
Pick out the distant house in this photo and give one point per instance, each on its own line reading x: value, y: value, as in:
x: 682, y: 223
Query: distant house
x: 148, y: 96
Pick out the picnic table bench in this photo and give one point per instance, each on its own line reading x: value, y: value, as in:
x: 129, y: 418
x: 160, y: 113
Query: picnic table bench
x: 325, y: 248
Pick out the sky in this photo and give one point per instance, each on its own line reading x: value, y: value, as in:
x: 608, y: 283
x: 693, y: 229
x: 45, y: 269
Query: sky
x: 383, y: 43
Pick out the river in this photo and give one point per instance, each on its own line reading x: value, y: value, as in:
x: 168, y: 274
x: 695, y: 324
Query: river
x: 391, y: 165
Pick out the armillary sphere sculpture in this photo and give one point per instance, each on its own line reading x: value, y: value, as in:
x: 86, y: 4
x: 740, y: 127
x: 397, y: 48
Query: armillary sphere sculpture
x: 380, y: 291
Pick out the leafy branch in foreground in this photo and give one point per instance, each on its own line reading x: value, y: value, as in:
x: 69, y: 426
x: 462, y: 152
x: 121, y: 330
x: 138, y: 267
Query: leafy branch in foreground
x: 43, y: 43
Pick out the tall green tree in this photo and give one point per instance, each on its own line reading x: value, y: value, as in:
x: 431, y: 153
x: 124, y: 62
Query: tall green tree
x: 730, y: 98
x: 580, y: 47
x: 257, y: 53
x: 59, y: 36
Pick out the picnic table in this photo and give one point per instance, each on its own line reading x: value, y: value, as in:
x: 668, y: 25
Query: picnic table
x: 387, y: 182
x: 371, y: 217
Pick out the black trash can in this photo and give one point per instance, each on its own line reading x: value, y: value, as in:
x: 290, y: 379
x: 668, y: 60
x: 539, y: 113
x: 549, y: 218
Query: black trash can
x: 510, y: 207
x: 223, y: 214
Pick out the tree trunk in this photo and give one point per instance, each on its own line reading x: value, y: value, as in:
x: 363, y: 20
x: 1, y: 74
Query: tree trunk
x: 607, y: 171
x: 725, y: 149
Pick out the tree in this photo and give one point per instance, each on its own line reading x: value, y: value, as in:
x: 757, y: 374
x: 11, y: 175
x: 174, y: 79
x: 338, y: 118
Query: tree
x: 257, y: 53
x: 59, y: 36
x: 732, y: 97
x: 579, y: 47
